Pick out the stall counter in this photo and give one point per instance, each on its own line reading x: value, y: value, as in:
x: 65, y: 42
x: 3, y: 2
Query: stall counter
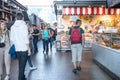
x: 108, y: 58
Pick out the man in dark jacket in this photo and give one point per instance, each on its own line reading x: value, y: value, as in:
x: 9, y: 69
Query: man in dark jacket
x: 35, y: 35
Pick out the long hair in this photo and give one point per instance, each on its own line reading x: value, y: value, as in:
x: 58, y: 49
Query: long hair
x: 4, y: 31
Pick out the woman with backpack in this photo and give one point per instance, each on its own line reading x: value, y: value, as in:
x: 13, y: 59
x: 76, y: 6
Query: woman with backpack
x: 45, y: 36
x: 4, y: 48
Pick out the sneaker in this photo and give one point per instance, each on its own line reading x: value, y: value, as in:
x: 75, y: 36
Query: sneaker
x: 33, y: 68
x: 7, y: 78
x: 78, y: 68
x: 75, y: 71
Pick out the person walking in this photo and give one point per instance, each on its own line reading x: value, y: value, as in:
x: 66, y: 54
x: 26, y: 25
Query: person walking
x: 35, y: 35
x: 4, y: 56
x: 46, y: 36
x: 31, y: 67
x: 51, y: 39
x: 43, y: 38
x: 55, y: 34
x: 19, y: 37
x: 77, y: 42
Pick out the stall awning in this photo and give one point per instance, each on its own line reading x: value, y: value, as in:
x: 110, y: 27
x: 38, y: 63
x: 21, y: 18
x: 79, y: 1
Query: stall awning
x: 90, y: 11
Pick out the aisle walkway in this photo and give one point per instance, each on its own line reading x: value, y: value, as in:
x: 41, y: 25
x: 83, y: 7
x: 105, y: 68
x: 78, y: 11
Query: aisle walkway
x: 58, y: 66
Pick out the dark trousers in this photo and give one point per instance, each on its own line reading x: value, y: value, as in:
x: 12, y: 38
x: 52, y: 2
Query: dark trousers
x: 22, y: 59
x: 51, y: 42
x: 35, y: 40
x: 29, y: 61
x: 31, y: 46
x: 45, y: 45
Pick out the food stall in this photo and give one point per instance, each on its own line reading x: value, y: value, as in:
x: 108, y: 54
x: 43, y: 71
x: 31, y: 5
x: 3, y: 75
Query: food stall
x: 103, y: 37
x: 102, y: 29
x: 106, y: 48
x: 91, y: 19
x: 91, y: 15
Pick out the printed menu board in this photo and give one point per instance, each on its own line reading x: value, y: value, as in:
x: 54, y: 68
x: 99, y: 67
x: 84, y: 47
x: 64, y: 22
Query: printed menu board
x: 65, y: 42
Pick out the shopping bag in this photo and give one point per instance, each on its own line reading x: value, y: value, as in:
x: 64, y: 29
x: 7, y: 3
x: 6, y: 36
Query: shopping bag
x: 12, y: 52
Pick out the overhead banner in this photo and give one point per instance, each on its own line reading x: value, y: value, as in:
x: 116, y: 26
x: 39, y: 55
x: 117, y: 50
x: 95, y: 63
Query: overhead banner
x: 90, y: 11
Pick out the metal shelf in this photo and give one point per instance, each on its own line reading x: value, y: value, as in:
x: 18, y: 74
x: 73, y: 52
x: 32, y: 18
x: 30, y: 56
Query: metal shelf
x: 115, y: 37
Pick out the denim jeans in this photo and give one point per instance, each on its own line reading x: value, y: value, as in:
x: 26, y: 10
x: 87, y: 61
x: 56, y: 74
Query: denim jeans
x: 45, y: 45
x: 22, y: 59
x: 35, y: 40
x: 29, y: 61
x: 51, y: 42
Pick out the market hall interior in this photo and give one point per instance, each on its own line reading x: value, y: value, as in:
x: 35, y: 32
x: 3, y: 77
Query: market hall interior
x: 58, y: 66
x: 101, y: 22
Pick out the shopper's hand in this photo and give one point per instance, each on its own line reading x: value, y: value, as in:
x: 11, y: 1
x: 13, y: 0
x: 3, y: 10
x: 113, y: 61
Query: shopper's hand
x: 29, y: 52
x: 30, y: 35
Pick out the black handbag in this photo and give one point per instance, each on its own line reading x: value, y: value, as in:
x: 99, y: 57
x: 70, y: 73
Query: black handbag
x: 2, y: 45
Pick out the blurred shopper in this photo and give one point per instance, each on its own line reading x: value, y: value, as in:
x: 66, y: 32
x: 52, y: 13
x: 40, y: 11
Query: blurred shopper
x: 46, y: 36
x: 101, y: 28
x: 40, y: 31
x: 55, y: 34
x: 4, y: 56
x: 51, y: 39
x: 9, y: 25
x: 35, y: 35
x: 43, y: 27
x: 77, y: 41
x: 19, y: 37
x: 31, y: 47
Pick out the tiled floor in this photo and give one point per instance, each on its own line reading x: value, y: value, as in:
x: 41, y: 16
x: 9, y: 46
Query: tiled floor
x: 58, y: 66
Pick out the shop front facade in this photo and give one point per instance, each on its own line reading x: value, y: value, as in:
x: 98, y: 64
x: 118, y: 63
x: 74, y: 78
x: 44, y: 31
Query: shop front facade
x: 9, y: 8
x: 68, y: 11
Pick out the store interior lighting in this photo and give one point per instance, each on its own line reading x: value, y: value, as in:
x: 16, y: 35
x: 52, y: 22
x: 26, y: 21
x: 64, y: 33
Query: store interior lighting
x: 105, y: 17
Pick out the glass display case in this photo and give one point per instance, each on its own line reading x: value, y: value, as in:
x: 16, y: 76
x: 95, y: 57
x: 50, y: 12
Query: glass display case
x: 88, y: 39
x: 107, y: 39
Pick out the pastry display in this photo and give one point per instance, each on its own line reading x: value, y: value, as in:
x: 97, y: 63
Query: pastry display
x: 110, y: 40
x: 116, y: 45
x: 103, y: 43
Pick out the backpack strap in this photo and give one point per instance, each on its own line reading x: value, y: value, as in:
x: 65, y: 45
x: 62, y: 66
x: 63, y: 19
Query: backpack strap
x: 75, y: 29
